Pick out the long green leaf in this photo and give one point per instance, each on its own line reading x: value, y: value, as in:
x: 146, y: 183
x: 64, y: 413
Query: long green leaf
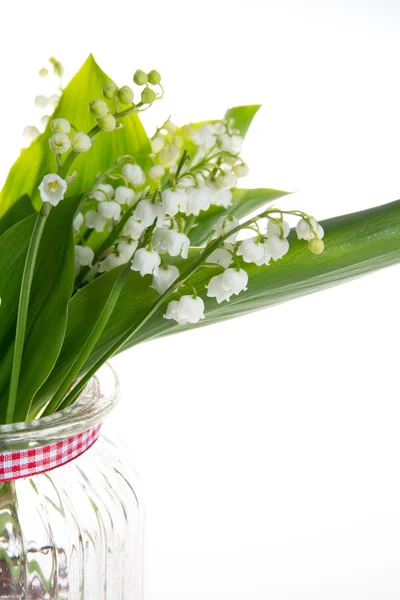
x: 51, y: 292
x: 242, y: 116
x: 37, y: 160
x: 355, y: 244
x: 20, y: 210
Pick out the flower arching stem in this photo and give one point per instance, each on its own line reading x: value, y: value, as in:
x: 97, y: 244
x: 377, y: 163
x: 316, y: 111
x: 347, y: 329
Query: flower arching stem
x: 23, y: 306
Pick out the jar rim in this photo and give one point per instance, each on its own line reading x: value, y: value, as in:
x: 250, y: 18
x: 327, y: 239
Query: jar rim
x: 97, y: 399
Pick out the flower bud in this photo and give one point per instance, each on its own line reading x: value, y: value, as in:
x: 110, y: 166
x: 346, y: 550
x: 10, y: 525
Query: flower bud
x: 154, y: 77
x: 59, y: 143
x: 81, y: 142
x: 31, y: 133
x: 170, y: 126
x: 156, y: 173
x: 148, y: 96
x: 125, y: 94
x: 157, y: 144
x: 110, y: 90
x: 169, y: 155
x: 43, y: 72
x: 45, y: 120
x: 241, y: 170
x: 316, y: 246
x: 60, y: 126
x: 57, y: 67
x: 41, y: 101
x: 54, y: 100
x: 98, y: 108
x: 107, y: 123
x: 140, y: 77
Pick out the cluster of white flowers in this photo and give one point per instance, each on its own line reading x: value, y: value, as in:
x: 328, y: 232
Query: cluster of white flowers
x: 145, y: 212
x: 62, y: 140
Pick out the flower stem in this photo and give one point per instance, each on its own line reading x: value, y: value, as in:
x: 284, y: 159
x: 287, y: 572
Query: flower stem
x: 23, y: 307
x: 123, y: 339
x: 90, y: 343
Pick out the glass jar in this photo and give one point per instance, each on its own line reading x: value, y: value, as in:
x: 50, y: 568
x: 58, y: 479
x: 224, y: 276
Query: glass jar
x: 75, y: 532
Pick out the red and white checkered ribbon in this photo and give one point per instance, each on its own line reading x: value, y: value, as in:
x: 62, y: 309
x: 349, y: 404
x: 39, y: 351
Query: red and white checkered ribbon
x: 25, y: 463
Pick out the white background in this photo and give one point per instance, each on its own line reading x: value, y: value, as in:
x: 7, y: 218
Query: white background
x: 268, y: 446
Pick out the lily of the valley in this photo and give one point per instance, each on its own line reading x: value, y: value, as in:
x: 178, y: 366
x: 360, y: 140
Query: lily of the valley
x: 174, y: 201
x: 146, y: 261
x: 147, y: 212
x: 52, y: 189
x: 164, y: 277
x: 171, y: 241
x: 222, y: 287
x: 186, y: 310
x: 134, y: 174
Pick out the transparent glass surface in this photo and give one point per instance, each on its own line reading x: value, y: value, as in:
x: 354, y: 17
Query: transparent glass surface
x: 74, y: 532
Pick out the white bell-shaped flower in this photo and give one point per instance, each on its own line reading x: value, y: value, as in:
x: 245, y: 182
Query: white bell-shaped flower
x: 232, y: 281
x: 227, y: 180
x: 95, y: 221
x: 169, y: 155
x: 264, y: 260
x: 52, y: 189
x: 133, y: 228
x: 126, y: 248
x: 110, y: 210
x: 80, y: 142
x: 147, y: 212
x: 224, y: 225
x: 171, y: 241
x: 198, y: 199
x: 111, y: 262
x: 60, y: 126
x: 146, y: 261
x: 156, y: 172
x: 276, y: 247
x: 134, y: 174
x: 124, y: 195
x: 306, y: 232
x: 187, y: 310
x: 157, y: 144
x: 84, y: 256
x: 221, y: 256
x: 164, y: 277
x: 174, y: 201
x: 60, y: 143
x: 78, y: 221
x: 277, y: 229
x: 221, y: 197
x: 205, y: 137
x: 241, y: 170
x: 252, y: 250
x: 104, y: 191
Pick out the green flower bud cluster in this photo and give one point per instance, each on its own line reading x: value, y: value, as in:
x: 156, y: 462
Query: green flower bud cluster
x: 123, y: 94
x: 148, y: 95
x: 61, y: 143
x: 57, y: 67
x: 100, y: 111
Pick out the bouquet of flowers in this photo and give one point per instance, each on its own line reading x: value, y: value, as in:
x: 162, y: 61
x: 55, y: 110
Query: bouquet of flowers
x: 109, y: 238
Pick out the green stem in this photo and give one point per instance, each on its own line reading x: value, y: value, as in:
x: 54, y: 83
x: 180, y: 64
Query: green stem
x: 90, y: 343
x: 23, y: 307
x: 123, y: 339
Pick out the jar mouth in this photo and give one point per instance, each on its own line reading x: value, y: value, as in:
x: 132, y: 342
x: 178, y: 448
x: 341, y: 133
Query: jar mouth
x: 97, y: 399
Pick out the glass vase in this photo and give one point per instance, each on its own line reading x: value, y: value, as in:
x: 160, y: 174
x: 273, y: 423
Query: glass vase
x: 73, y: 532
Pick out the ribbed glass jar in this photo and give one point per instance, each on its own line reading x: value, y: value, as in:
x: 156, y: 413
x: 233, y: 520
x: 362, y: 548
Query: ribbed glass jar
x: 75, y: 532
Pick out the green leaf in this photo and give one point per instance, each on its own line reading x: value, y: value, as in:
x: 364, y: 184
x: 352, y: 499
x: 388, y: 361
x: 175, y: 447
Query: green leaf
x: 37, y: 160
x: 242, y: 116
x: 20, y: 210
x: 51, y: 291
x: 355, y: 244
x: 244, y: 202
x: 13, y: 247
